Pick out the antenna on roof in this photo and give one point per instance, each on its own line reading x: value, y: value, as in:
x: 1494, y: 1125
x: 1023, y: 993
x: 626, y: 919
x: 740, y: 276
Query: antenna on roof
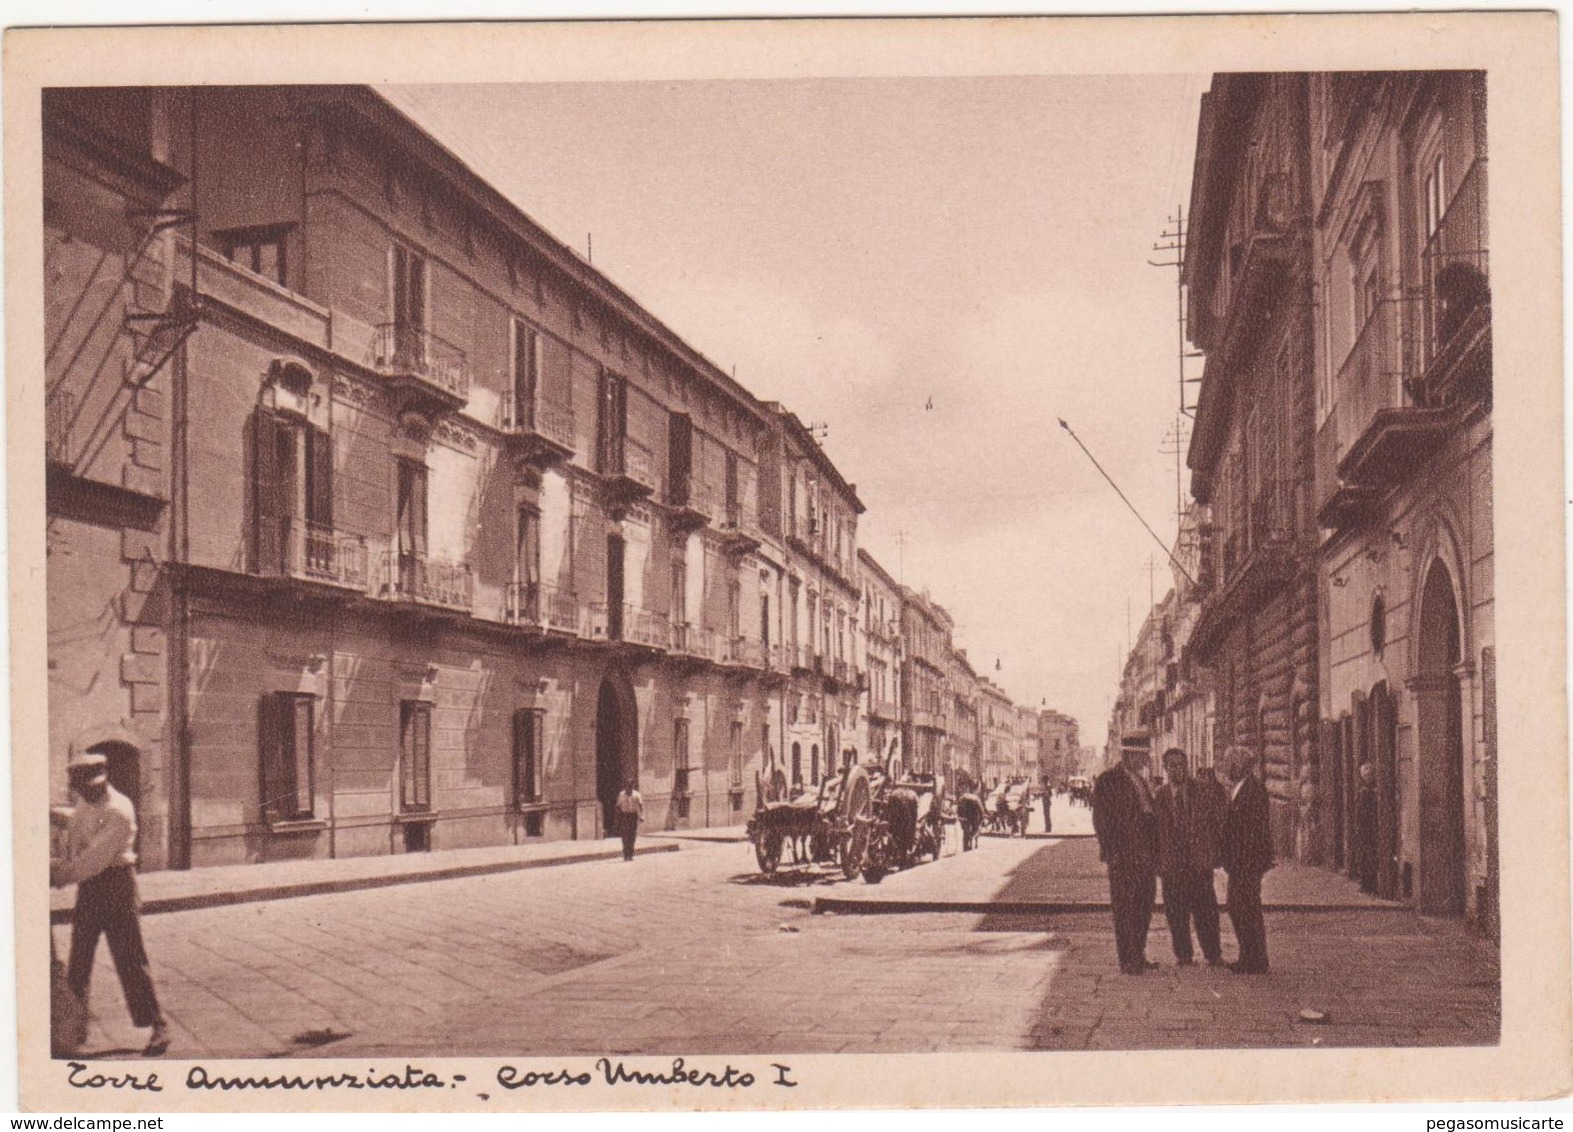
x: 589, y: 246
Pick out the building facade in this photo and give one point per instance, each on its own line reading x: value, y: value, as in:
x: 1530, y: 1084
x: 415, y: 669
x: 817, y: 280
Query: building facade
x: 1402, y: 485
x: 1248, y: 271
x: 1059, y: 746
x: 926, y: 630
x: 815, y: 512
x: 880, y: 619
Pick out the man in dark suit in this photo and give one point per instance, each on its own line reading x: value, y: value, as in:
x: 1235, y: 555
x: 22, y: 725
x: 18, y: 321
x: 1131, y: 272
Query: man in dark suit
x: 1365, y: 855
x: 1123, y: 818
x: 1190, y: 845
x: 1247, y: 855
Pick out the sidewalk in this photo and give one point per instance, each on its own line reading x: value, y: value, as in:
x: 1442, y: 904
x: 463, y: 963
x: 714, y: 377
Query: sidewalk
x: 1044, y: 874
x: 721, y: 833
x: 180, y: 891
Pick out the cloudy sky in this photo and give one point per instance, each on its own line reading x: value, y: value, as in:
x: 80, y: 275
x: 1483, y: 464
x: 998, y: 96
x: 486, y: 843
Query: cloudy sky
x: 861, y: 248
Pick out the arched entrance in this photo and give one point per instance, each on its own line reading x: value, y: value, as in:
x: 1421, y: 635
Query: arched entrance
x: 616, y: 744
x: 1440, y: 742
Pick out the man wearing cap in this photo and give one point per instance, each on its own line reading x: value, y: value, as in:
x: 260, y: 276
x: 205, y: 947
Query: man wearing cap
x: 101, y: 861
x: 1123, y: 817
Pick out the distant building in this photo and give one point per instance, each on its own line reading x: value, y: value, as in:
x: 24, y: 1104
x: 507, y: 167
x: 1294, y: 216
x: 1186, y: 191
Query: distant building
x: 1059, y: 745
x: 880, y: 620
x: 926, y: 631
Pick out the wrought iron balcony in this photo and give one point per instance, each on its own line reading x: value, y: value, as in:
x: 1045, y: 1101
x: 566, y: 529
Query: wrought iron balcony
x: 691, y: 501
x: 59, y: 413
x: 421, y: 580
x: 423, y: 368
x: 629, y: 624
x: 315, y: 553
x: 541, y: 432
x: 737, y: 532
x: 746, y: 652
x: 628, y: 470
x: 524, y: 604
x: 1456, y: 282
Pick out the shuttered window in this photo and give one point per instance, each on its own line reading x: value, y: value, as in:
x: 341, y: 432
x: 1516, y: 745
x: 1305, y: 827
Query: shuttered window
x: 414, y: 757
x: 287, y: 726
x: 528, y: 788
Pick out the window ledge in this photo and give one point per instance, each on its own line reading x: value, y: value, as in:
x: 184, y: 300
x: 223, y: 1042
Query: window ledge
x: 298, y: 825
x: 416, y: 817
x: 533, y: 807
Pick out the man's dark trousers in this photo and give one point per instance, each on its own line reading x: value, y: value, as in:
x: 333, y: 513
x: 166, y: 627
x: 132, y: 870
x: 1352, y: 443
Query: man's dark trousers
x: 1132, y: 893
x: 107, y: 905
x: 630, y: 832
x: 1245, y: 912
x: 1189, y: 897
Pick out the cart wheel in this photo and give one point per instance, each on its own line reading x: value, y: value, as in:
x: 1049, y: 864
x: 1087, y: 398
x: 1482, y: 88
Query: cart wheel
x: 857, y: 813
x: 767, y: 850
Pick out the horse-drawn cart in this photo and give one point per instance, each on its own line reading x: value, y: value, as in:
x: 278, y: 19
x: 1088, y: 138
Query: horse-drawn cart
x: 862, y: 820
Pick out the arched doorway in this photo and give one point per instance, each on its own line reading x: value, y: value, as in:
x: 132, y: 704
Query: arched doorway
x: 1440, y: 742
x: 125, y: 775
x: 616, y: 745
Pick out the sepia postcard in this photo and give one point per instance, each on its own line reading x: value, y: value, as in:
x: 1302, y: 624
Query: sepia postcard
x: 787, y: 564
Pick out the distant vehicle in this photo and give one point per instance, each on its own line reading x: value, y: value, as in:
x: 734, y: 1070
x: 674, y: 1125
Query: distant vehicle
x: 1081, y: 789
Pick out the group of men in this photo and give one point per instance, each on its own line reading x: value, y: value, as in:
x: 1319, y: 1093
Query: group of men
x: 1182, y: 831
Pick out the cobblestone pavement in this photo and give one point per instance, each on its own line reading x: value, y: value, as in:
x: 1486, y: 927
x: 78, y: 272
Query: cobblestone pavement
x: 692, y: 952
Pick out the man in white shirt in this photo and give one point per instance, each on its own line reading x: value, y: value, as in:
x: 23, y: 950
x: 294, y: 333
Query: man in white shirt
x: 630, y: 809
x: 101, y: 861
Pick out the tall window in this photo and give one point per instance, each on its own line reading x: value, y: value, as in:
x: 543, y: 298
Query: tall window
x: 414, y: 757
x: 409, y: 303
x: 734, y: 602
x: 764, y: 620
x: 614, y: 587
x: 680, y: 459
x: 813, y: 618
x: 733, y: 507
x: 286, y: 737
x: 294, y: 494
x: 410, y: 523
x: 1435, y: 189
x: 680, y: 756
x: 793, y: 589
x: 611, y: 423
x: 736, y: 776
x: 527, y: 563
x: 528, y: 784
x: 679, y: 604
x: 526, y: 375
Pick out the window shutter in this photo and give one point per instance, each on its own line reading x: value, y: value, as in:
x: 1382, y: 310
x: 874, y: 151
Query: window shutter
x: 319, y: 490
x: 418, y: 510
x: 265, y: 493
x: 270, y: 745
x: 302, y: 743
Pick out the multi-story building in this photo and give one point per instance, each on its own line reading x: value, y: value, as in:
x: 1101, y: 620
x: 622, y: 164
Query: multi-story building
x: 926, y: 631
x: 1403, y: 479
x: 997, y: 723
x: 1248, y: 271
x: 1059, y: 745
x: 112, y: 328
x: 816, y: 511
x: 448, y: 538
x: 963, y: 742
x: 880, y: 621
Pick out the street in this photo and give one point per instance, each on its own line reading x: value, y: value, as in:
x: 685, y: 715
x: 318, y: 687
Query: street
x: 694, y: 952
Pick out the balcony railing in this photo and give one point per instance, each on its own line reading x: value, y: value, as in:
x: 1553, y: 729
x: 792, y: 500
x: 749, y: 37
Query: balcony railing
x: 409, y: 352
x: 427, y: 581
x: 841, y: 671
x: 319, y: 554
x: 1371, y: 378
x: 540, y: 420
x: 747, y: 652
x: 629, y: 466
x: 1454, y: 266
x: 524, y: 603
x: 644, y: 627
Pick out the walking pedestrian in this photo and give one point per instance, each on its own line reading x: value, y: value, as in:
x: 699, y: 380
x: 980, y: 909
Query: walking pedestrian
x: 1247, y: 855
x: 100, y: 859
x: 630, y: 812
x: 1365, y: 854
x: 1190, y: 843
x: 1126, y: 827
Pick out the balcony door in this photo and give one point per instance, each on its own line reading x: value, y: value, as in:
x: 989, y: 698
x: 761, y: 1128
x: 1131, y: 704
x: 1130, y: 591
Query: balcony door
x: 614, y: 587
x: 294, y: 495
x: 409, y: 304
x: 527, y: 564
x: 526, y: 373
x: 680, y: 459
x: 410, y: 524
x: 611, y: 424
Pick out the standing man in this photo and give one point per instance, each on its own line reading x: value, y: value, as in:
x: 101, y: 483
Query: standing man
x: 1048, y: 803
x: 630, y: 812
x: 1365, y: 855
x: 1127, y: 829
x: 1247, y: 855
x: 1190, y: 842
x: 101, y: 861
